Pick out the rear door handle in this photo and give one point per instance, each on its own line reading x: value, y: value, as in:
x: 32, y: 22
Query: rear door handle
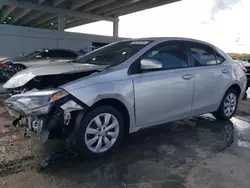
x: 225, y: 71
x: 187, y: 76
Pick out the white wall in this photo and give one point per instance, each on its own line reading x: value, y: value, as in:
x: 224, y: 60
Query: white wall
x: 16, y: 39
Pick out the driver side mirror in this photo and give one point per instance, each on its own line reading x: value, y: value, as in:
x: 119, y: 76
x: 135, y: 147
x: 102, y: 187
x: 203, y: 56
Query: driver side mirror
x: 150, y: 64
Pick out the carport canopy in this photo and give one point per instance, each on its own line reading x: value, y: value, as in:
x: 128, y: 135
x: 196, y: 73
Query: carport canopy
x: 63, y: 14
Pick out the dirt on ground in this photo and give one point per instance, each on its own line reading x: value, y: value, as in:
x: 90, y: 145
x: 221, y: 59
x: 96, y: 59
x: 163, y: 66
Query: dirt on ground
x: 207, y: 165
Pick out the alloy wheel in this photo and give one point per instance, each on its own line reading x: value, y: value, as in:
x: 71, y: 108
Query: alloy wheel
x: 102, y: 133
x: 230, y: 104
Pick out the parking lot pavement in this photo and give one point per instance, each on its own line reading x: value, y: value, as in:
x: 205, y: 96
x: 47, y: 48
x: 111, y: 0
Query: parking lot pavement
x: 195, y: 152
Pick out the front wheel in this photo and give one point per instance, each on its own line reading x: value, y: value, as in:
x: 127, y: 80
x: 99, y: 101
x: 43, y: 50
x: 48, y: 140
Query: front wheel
x: 228, y: 105
x: 17, y: 68
x: 100, y: 131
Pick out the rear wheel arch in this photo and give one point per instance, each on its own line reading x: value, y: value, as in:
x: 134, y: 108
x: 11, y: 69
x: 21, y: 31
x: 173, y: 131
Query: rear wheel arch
x: 236, y: 87
x: 220, y: 112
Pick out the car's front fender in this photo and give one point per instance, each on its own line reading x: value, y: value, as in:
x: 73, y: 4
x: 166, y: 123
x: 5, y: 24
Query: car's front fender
x: 119, y: 90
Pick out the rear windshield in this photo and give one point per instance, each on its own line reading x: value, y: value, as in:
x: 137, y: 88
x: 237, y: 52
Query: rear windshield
x: 113, y: 54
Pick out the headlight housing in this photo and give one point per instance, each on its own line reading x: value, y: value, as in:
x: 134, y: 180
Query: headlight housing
x: 34, y: 103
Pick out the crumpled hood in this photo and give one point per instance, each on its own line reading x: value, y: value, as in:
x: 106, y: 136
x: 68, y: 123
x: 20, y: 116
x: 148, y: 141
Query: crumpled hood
x: 23, y: 77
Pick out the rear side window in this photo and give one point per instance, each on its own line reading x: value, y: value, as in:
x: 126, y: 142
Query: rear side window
x: 203, y: 55
x: 219, y: 58
x: 171, y: 55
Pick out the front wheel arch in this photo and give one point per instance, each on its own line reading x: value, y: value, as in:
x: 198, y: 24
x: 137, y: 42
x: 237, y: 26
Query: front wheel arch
x: 118, y: 105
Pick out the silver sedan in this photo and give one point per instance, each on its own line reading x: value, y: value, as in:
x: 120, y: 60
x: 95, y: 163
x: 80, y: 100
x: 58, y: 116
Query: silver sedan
x: 136, y: 84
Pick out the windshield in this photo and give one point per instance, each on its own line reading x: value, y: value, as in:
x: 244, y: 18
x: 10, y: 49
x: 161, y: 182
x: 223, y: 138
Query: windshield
x: 32, y: 53
x: 113, y: 54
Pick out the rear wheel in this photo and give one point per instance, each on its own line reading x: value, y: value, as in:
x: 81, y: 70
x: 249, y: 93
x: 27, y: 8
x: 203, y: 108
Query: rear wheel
x: 228, y: 105
x: 99, y: 132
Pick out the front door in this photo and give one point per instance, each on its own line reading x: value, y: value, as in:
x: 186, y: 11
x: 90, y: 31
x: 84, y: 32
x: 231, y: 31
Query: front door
x: 166, y: 94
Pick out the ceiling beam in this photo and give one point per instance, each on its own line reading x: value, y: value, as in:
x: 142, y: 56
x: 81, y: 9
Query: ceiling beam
x: 78, y: 23
x: 48, y: 23
x: 151, y: 4
x: 21, y: 14
x: 57, y: 2
x: 6, y: 12
x: 46, y: 19
x: 96, y: 4
x: 79, y: 3
x: 30, y: 18
x: 24, y: 12
x: 115, y: 5
x: 53, y: 10
x: 41, y: 1
x: 139, y: 5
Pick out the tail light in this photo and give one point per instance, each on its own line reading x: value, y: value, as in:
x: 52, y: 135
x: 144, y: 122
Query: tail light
x: 3, y: 65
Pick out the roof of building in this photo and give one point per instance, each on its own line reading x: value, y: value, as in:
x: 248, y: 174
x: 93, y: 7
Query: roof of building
x: 44, y: 13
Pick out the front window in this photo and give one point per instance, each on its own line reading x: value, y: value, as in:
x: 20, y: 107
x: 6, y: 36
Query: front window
x: 171, y: 55
x: 113, y: 54
x: 32, y: 54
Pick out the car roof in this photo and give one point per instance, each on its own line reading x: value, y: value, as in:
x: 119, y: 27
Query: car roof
x: 162, y: 39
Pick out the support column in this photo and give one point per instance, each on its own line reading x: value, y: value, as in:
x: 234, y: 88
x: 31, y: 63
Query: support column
x: 61, y: 22
x: 116, y: 28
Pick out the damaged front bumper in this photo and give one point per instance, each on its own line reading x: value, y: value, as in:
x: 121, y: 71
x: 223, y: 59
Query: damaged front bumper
x: 55, y: 118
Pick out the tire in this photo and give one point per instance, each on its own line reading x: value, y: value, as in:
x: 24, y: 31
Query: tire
x: 220, y: 113
x: 245, y: 96
x: 87, y: 122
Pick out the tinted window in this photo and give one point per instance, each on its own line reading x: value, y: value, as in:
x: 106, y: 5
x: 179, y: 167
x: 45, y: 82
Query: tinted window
x: 48, y: 54
x: 171, y: 55
x: 219, y: 58
x: 202, y: 55
x: 65, y: 54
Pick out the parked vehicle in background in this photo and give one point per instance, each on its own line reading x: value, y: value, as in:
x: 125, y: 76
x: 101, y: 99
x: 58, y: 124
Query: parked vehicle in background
x: 246, y: 65
x: 127, y: 86
x: 11, y: 66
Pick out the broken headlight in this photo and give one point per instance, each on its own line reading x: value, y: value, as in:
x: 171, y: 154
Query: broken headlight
x: 34, y: 103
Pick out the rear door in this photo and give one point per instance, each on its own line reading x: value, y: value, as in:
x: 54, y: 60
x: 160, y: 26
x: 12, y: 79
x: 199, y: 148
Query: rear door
x: 212, y: 77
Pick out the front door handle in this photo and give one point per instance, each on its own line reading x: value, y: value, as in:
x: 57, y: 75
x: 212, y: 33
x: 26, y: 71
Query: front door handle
x: 225, y: 71
x: 187, y: 76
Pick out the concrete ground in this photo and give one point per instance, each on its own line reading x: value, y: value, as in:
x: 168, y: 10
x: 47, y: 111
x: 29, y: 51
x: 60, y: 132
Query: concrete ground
x: 195, y: 152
